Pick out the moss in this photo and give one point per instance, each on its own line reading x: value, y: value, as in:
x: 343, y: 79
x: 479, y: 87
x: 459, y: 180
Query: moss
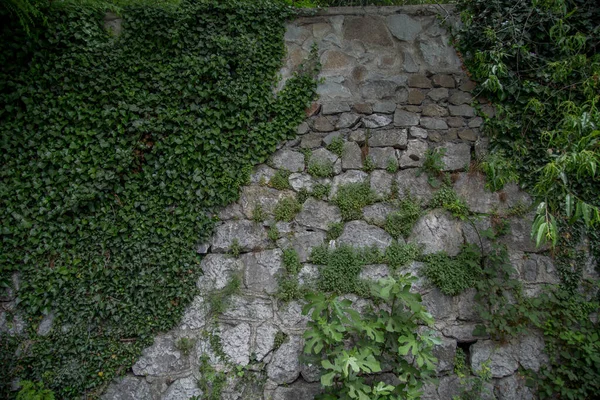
x: 351, y: 199
x: 286, y: 209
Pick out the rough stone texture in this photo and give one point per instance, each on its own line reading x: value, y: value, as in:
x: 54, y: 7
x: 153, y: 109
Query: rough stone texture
x: 384, y: 107
x: 503, y: 360
x: 265, y: 336
x: 438, y: 94
x: 415, y: 183
x: 405, y: 118
x: 290, y: 160
x: 462, y: 111
x: 361, y: 234
x: 261, y: 270
x: 471, y: 188
x: 261, y: 196
x: 322, y: 124
x: 374, y: 272
x: 457, y: 156
x: 414, y: 155
x: 376, y: 121
x: 347, y: 120
x: 403, y: 27
x: 217, y: 270
x: 335, y: 108
x: 250, y: 236
x: 351, y: 176
x: 438, y: 231
x: 381, y: 182
x: 382, y: 156
x: 301, y: 181
x: 445, y: 353
x: 351, y: 156
x: 128, y: 388
x: 249, y: 308
x: 318, y: 214
x: 433, y: 123
x: 302, y: 242
x: 285, y: 366
x: 298, y: 391
x: 418, y: 133
x: 235, y: 342
x: 182, y: 389
x: 393, y: 138
x: 376, y: 214
x: 161, y: 358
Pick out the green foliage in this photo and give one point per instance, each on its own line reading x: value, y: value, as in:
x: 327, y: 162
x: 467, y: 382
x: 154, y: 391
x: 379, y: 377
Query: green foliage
x: 433, y: 163
x: 319, y: 255
x: 352, y: 348
x: 115, y: 152
x: 321, y: 191
x: 280, y: 338
x: 447, y: 199
x: 498, y: 171
x: 351, y: 199
x: 539, y: 66
x: 185, y: 345
x: 280, y: 180
x: 258, y: 214
x: 392, y: 165
x: 211, y: 382
x: 291, y: 261
x: 320, y: 168
x: 368, y: 164
x: 34, y: 391
x: 453, y: 275
x: 334, y: 230
x: 273, y: 233
x: 235, y: 249
x: 286, y: 209
x: 398, y: 255
x: 472, y: 387
x: 400, y: 223
x: 336, y: 146
x: 289, y: 288
x: 340, y: 274
x: 218, y: 300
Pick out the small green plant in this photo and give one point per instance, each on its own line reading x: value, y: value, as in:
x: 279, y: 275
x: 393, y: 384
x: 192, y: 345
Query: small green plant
x: 258, y: 214
x: 280, y: 338
x: 320, y: 168
x: 289, y: 288
x: 369, y: 164
x: 351, y: 199
x: 392, y: 165
x: 319, y: 255
x: 353, y: 347
x: 185, y: 345
x: 340, y: 274
x: 291, y: 261
x: 433, y: 164
x: 472, y: 387
x: 398, y: 255
x: 303, y: 195
x: 211, y: 382
x: 218, y: 300
x: 280, y: 180
x: 335, y: 230
x: 518, y: 210
x: 34, y: 391
x: 454, y: 275
x: 394, y: 191
x: 336, y: 146
x: 399, y: 223
x: 447, y: 199
x: 286, y: 209
x: 321, y: 191
x: 273, y: 233
x: 498, y: 170
x: 307, y: 155
x: 262, y: 181
x: 235, y: 249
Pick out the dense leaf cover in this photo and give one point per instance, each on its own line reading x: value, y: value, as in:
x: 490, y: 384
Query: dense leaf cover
x: 116, y: 151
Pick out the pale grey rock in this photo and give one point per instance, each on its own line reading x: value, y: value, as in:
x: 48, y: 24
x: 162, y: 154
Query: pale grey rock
x: 298, y: 391
x: 262, y: 173
x: 311, y: 140
x: 45, y: 325
x: 415, y: 270
x: 515, y: 196
x: 512, y: 388
x: 182, y: 389
x: 261, y: 270
x: 291, y: 316
x: 396, y: 138
x: 250, y: 236
x: 376, y: 120
x: 403, y: 27
x: 327, y: 140
x: 374, y: 272
x: 381, y: 156
x: 433, y: 123
x: 361, y: 234
x: 322, y: 155
x: 195, y: 315
x: 249, y: 308
x: 347, y: 120
x: 337, y: 107
x: 381, y: 182
x: 409, y: 62
x: 265, y: 337
x: 376, y: 214
x: 471, y: 188
x: 466, y: 306
x: 414, y: 155
x: 530, y: 352
x: 127, y: 388
x: 302, y: 181
x: 455, y: 122
x: 318, y: 214
x: 322, y: 124
x: 476, y: 122
x: 296, y: 34
x: 438, y: 94
x: 441, y: 80
x: 333, y: 89
x: 311, y: 372
x: 460, y: 97
x: 438, y: 55
x: 370, y: 30
x: 359, y: 136
x: 414, y: 183
x: 445, y: 353
x: 235, y: 342
x: 384, y: 107
x: 308, y: 275
x: 232, y: 211
x: 285, y: 366
x: 302, y: 242
x: 378, y: 90
x: 289, y: 160
x: 503, y: 360
x: 482, y: 147
x: 449, y: 387
x: 462, y: 111
x: 457, y: 156
x: 350, y: 176
x: 405, y: 118
x: 439, y: 305
x: 217, y: 271
x: 467, y: 134
x: 351, y: 156
x: 438, y: 231
x: 267, y: 198
x: 434, y: 110
x: 203, y: 248
x: 303, y: 128
x: 161, y: 358
x: 418, y: 132
x: 472, y: 234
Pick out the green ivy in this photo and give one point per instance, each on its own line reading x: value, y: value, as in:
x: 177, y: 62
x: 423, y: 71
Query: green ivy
x: 116, y: 152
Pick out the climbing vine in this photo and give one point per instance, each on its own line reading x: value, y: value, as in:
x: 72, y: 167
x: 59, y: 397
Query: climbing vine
x: 116, y: 152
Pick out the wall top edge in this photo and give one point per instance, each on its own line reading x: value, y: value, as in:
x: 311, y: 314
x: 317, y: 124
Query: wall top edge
x: 418, y: 9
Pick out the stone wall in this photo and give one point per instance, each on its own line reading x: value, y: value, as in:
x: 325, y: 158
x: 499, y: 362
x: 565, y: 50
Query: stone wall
x: 392, y: 88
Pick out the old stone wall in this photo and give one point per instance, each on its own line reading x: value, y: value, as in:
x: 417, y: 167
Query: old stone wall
x: 392, y: 88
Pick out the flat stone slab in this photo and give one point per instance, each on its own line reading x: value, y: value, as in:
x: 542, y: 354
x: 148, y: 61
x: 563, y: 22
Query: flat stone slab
x: 261, y: 270
x: 350, y: 176
x: 163, y: 357
x: 414, y: 155
x: 249, y: 235
x: 457, y: 156
x: 438, y: 231
x: 302, y: 242
x: 266, y: 198
x: 217, y: 270
x: 389, y: 138
x: 318, y: 214
x: 414, y: 183
x: 290, y: 160
x: 360, y: 234
x: 285, y: 366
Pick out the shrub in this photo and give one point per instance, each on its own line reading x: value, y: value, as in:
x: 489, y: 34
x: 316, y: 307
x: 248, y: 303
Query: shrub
x: 400, y: 223
x: 351, y: 199
x: 280, y: 180
x: 320, y: 168
x: 453, y: 275
x: 286, y: 209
